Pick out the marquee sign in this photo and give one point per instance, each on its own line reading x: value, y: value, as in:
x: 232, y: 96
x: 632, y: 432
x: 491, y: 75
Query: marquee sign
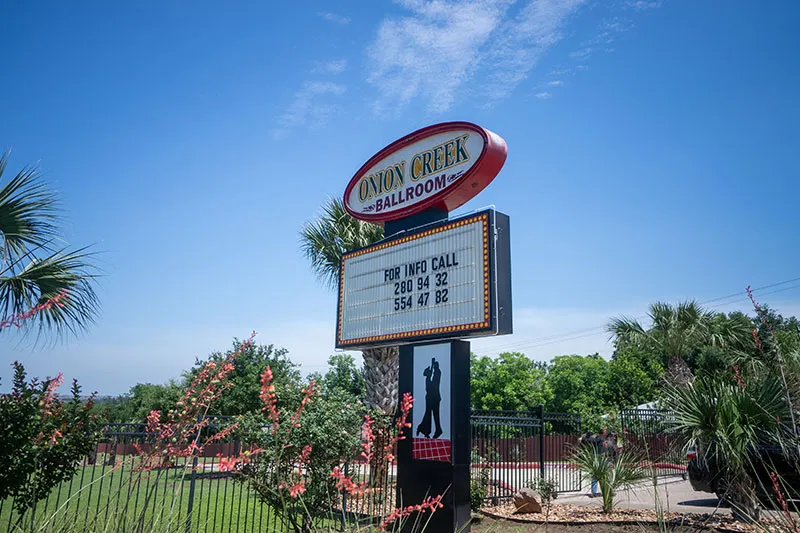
x: 451, y: 279
x: 441, y: 166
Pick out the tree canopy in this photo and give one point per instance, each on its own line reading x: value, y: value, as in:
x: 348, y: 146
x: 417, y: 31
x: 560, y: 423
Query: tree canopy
x: 510, y: 382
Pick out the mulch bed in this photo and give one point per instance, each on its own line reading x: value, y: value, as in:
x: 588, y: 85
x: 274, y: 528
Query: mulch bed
x: 576, y: 515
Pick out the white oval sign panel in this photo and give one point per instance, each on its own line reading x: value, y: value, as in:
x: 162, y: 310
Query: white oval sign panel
x: 441, y: 166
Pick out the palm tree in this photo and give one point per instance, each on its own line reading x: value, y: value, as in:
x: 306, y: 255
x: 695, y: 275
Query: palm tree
x: 35, y: 266
x: 324, y: 242
x: 677, y: 331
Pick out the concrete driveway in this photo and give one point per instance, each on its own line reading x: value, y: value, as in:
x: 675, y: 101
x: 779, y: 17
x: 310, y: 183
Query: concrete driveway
x: 675, y: 494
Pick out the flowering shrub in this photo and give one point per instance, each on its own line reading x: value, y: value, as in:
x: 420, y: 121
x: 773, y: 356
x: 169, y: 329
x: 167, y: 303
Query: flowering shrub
x: 302, y: 445
x: 181, y: 432
x: 300, y: 440
x: 44, y: 438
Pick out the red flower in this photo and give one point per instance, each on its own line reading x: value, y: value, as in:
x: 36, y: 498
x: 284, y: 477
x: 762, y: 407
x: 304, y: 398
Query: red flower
x: 297, y: 489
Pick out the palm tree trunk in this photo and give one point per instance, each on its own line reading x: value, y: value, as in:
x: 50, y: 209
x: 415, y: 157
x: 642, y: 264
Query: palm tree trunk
x: 744, y: 503
x: 381, y: 375
x: 678, y: 372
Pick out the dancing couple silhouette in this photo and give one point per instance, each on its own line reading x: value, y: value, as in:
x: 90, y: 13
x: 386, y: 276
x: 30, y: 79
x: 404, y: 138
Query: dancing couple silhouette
x: 433, y: 398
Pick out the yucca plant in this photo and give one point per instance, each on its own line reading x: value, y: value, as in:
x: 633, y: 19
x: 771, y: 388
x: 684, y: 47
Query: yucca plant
x: 728, y: 420
x: 625, y: 471
x: 35, y: 265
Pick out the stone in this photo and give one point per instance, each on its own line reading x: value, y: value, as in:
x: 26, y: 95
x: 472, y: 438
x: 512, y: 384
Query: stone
x: 527, y: 501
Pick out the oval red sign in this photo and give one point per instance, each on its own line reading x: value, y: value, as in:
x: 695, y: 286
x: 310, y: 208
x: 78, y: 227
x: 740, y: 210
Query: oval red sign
x: 442, y: 166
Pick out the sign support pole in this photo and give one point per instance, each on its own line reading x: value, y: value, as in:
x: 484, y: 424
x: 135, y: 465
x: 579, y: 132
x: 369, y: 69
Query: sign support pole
x: 419, y: 478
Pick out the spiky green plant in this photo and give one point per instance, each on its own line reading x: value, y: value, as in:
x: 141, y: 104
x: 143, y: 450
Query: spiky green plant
x: 35, y: 265
x: 624, y: 472
x: 727, y: 420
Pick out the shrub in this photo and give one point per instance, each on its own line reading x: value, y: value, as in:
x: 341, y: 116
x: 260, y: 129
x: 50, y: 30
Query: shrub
x: 479, y: 482
x: 299, y: 444
x: 546, y: 488
x: 44, y: 438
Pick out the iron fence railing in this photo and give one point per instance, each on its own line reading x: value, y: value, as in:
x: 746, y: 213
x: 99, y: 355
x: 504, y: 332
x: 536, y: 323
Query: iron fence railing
x: 517, y: 447
x: 651, y: 434
x: 194, y: 494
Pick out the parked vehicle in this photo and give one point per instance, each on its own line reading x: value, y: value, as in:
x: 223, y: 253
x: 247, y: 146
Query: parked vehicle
x: 704, y: 475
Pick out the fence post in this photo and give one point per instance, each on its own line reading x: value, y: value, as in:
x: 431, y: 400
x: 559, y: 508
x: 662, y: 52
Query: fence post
x: 344, y: 493
x: 541, y: 440
x: 191, y: 496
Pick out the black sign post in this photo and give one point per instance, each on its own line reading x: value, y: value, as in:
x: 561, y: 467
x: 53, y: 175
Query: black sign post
x: 428, y: 467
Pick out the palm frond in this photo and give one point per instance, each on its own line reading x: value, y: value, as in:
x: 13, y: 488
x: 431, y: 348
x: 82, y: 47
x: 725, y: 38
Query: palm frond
x: 40, y: 280
x: 28, y: 211
x: 334, y: 233
x: 626, y: 471
x: 626, y: 330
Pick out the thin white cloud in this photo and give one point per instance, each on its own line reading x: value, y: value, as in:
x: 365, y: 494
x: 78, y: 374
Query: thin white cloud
x: 432, y: 52
x: 584, y: 53
x: 643, y: 5
x: 607, y: 33
x: 336, y: 66
x: 555, y: 83
x: 544, y: 96
x: 333, y: 17
x: 524, y: 40
x: 311, y: 107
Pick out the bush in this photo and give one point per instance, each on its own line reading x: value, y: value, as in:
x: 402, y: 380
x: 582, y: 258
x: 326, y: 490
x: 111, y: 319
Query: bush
x: 546, y: 488
x: 479, y: 483
x: 299, y: 444
x: 44, y: 439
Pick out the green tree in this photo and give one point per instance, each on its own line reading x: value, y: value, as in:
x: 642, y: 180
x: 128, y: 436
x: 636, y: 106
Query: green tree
x: 324, y: 242
x: 579, y: 384
x: 249, y: 363
x: 633, y: 378
x: 775, y: 333
x: 676, y: 333
x: 146, y: 397
x: 35, y: 266
x: 343, y: 376
x: 510, y: 382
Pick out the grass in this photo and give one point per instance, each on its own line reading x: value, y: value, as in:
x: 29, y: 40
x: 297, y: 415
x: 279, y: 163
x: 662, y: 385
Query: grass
x: 100, y: 498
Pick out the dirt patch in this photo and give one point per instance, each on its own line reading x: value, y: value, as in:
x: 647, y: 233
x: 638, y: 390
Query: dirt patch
x: 489, y: 525
x: 574, y: 518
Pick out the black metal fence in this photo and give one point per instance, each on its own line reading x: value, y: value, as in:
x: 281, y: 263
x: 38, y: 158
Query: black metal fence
x: 111, y: 491
x: 511, y: 449
x: 517, y: 447
x: 114, y: 490
x: 650, y: 433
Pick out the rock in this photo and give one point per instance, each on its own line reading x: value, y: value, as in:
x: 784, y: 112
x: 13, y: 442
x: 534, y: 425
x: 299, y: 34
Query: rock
x: 527, y: 501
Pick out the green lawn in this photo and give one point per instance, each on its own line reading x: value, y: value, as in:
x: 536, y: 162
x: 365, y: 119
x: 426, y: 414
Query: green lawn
x: 100, y: 498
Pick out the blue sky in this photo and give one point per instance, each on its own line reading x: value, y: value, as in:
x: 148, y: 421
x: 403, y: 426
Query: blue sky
x: 652, y: 155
